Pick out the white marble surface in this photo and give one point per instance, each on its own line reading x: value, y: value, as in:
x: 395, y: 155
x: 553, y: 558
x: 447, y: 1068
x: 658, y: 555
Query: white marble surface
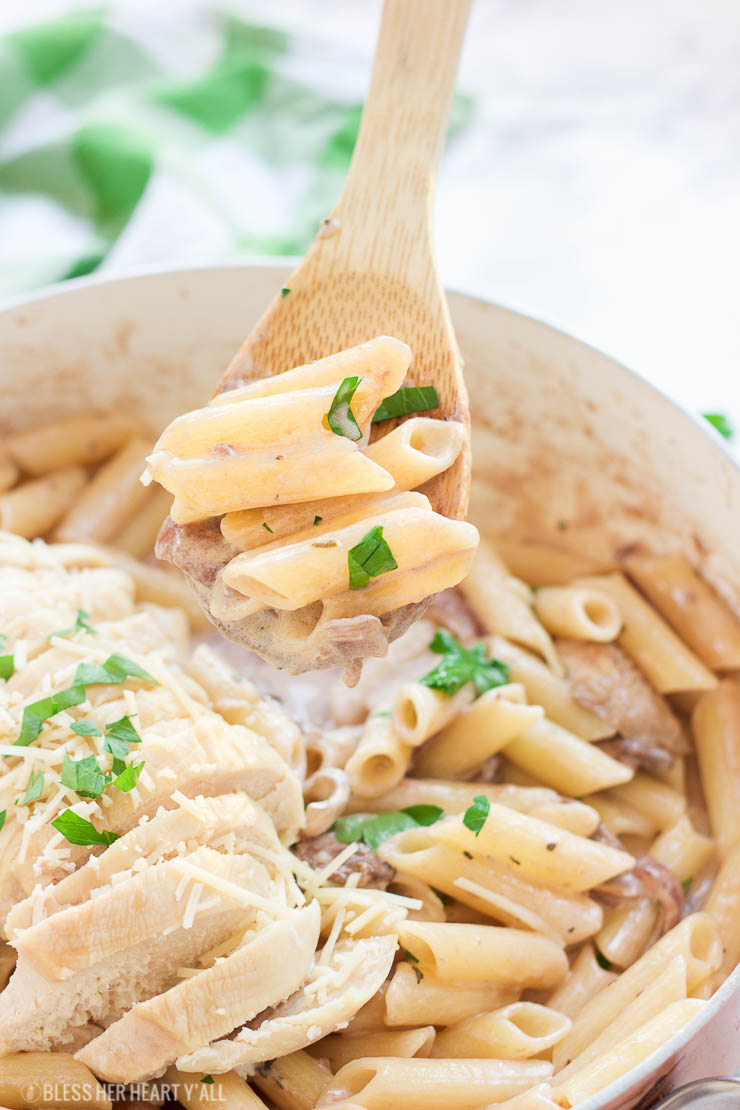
x: 598, y: 186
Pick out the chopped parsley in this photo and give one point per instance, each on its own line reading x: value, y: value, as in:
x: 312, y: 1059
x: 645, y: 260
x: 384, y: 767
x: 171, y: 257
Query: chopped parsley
x: 340, y: 417
x: 721, y: 423
x: 373, y: 828
x: 283, y: 293
x: 461, y: 665
x: 267, y: 527
x: 84, y: 776
x: 414, y: 398
x: 86, y: 728
x: 128, y: 777
x: 78, y: 830
x: 475, y: 815
x: 602, y: 961
x: 686, y: 884
x: 34, y: 789
x: 7, y: 666
x: 3, y: 815
x: 118, y: 736
x: 317, y: 520
x: 37, y: 712
x: 80, y: 625
x: 369, y: 558
x: 116, y: 669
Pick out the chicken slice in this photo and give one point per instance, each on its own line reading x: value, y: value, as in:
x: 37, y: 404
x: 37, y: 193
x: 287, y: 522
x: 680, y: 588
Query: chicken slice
x: 197, y: 821
x: 331, y: 995
x: 268, y: 968
x: 604, y: 680
x: 41, y: 1013
x: 203, y: 757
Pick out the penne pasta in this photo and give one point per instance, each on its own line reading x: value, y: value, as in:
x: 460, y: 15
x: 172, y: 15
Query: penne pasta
x: 516, y: 1032
x: 546, y: 689
x: 584, y: 614
x: 690, y: 606
x: 293, y: 1082
x: 657, y: 801
x: 412, y: 454
x: 626, y: 931
x: 384, y: 360
x: 456, y: 797
x: 695, y: 939
x: 669, y: 986
x: 374, y: 1083
x: 227, y: 1092
x: 664, y: 659
x: 544, y: 853
x: 34, y: 507
x: 399, y: 588
x: 497, y: 893
x: 501, y: 608
x: 543, y: 564
x: 112, y: 496
x: 564, y: 761
x: 341, y: 1048
x: 416, y: 999
x: 419, y: 711
x: 9, y: 472
x: 379, y: 761
x: 24, y: 1077
x: 620, y: 817
x: 477, y: 733
x: 585, y: 979
x: 138, y: 534
x: 536, y: 1098
x: 289, y: 576
x: 716, y: 727
x: 83, y: 440
x: 723, y: 906
x: 628, y: 1052
x: 484, y: 953
x: 432, y: 907
x: 682, y: 849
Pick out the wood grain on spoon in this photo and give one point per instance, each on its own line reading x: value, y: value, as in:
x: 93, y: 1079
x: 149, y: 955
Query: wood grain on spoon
x: 370, y: 271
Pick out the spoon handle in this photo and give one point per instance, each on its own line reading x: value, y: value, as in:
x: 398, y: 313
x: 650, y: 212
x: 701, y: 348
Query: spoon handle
x: 387, y: 198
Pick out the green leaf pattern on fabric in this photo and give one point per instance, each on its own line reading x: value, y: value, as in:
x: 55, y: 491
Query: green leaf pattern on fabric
x: 130, y: 117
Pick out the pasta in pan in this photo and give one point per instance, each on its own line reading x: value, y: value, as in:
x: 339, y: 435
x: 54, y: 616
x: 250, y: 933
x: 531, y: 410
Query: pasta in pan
x: 470, y: 877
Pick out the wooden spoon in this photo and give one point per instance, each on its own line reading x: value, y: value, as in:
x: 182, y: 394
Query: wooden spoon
x: 370, y: 271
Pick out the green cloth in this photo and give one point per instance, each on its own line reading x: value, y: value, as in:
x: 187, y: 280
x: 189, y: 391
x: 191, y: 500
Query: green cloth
x: 126, y: 140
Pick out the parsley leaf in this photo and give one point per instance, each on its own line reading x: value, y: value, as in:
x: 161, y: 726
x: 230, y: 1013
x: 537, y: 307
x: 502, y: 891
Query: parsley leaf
x: 267, y: 527
x: 118, y: 736
x: 602, y: 961
x: 34, y: 789
x: 128, y: 777
x: 116, y: 669
x: 7, y: 666
x: 3, y: 815
x: 77, y: 830
x: 721, y: 423
x: 476, y: 814
x: 80, y: 625
x: 340, y: 417
x: 283, y: 293
x: 86, y: 728
x: 369, y: 558
x: 461, y: 665
x: 413, y: 398
x: 83, y: 776
x: 317, y: 520
x: 37, y: 712
x: 686, y: 884
x: 374, y: 828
